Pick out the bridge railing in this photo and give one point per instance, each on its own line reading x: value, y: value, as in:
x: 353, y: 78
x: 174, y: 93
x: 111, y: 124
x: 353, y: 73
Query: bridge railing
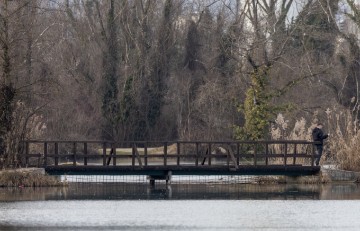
x: 142, y: 154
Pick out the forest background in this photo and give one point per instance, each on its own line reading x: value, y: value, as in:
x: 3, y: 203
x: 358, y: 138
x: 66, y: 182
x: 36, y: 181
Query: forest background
x: 178, y: 70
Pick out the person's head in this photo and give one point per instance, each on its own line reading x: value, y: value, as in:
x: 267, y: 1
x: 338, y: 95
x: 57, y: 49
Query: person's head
x: 319, y: 125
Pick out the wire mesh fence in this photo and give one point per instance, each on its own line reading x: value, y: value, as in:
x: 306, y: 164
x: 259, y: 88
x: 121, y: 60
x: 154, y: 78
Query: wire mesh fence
x: 183, y: 179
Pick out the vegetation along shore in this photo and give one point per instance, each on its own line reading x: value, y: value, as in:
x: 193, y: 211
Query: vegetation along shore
x: 28, y: 177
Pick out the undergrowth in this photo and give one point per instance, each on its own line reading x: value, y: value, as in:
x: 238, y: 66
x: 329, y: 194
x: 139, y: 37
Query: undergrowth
x: 27, y: 179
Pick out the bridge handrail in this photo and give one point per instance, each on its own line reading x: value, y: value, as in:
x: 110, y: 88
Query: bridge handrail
x: 200, y: 157
x: 177, y: 141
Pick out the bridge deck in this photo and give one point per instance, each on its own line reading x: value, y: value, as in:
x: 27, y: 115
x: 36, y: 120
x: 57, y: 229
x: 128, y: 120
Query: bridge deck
x: 175, y: 170
x: 177, y: 158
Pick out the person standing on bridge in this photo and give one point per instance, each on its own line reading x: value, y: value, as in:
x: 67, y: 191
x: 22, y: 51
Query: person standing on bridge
x: 319, y: 136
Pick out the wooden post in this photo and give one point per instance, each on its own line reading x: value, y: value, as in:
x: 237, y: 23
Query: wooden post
x: 74, y: 152
x: 178, y: 153
x: 45, y: 153
x: 85, y: 153
x: 204, y: 159
x: 255, y: 154
x: 209, y: 154
x: 110, y: 156
x: 232, y: 156
x: 165, y: 153
x: 138, y: 156
x: 285, y: 155
x: 228, y: 156
x: 114, y: 153
x: 145, y: 154
x: 26, y: 153
x: 104, y: 154
x: 295, y: 152
x: 133, y: 156
x: 237, y: 153
x: 56, y: 154
x: 266, y: 154
x: 312, y: 155
x: 197, y: 154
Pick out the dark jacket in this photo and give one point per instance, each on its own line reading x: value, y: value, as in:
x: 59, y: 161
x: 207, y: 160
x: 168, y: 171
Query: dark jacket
x: 318, y: 135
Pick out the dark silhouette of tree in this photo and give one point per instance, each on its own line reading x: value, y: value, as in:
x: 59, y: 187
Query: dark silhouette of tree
x: 110, y: 106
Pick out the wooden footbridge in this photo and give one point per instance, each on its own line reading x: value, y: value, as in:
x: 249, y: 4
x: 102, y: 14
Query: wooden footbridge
x: 160, y: 160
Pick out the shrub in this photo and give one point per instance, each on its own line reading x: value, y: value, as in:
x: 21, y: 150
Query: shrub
x: 18, y: 178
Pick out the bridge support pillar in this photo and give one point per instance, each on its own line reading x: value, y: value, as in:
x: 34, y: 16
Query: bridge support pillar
x: 166, y: 176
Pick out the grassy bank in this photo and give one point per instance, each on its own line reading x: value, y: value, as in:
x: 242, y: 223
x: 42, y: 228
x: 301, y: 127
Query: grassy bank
x: 27, y: 178
x: 316, y: 179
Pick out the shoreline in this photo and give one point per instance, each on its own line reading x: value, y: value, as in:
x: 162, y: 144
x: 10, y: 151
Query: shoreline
x: 36, y: 177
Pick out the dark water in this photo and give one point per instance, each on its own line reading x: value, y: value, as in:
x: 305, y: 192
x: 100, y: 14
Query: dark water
x: 142, y: 191
x: 137, y: 206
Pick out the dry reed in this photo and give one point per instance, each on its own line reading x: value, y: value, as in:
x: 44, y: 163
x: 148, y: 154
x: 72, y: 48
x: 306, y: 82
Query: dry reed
x: 343, y: 146
x: 20, y: 178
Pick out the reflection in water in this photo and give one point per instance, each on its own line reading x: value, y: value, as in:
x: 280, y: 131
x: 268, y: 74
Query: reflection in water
x: 143, y: 191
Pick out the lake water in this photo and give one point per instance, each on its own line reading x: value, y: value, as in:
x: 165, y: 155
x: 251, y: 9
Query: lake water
x: 138, y: 206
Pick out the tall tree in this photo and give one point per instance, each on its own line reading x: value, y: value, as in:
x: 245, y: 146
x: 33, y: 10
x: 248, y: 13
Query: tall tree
x: 111, y: 105
x: 161, y: 68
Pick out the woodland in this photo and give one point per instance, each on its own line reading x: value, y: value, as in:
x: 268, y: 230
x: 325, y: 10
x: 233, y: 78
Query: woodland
x: 134, y: 70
